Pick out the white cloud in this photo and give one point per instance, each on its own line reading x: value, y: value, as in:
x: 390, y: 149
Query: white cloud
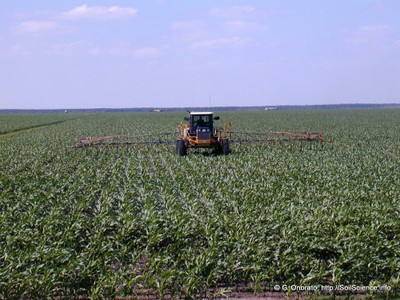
x: 218, y: 43
x: 147, y: 52
x: 124, y: 50
x: 187, y: 25
x: 55, y: 21
x: 210, y: 65
x: 81, y: 46
x: 378, y: 39
x: 185, y: 31
x: 233, y: 11
x: 100, y: 13
x: 246, y: 26
x: 36, y: 26
x: 371, y: 34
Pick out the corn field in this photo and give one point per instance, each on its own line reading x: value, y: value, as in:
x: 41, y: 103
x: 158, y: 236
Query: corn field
x: 130, y: 221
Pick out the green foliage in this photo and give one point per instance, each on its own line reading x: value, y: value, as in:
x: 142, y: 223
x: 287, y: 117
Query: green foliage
x: 104, y: 222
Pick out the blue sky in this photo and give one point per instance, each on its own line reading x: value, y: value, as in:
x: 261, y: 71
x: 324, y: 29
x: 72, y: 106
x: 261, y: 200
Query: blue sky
x: 167, y: 53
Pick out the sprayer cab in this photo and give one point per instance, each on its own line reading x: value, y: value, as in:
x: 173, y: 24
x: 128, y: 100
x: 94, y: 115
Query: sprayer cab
x: 200, y: 133
x: 201, y: 121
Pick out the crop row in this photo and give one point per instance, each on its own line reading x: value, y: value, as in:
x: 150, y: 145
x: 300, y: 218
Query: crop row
x: 121, y: 221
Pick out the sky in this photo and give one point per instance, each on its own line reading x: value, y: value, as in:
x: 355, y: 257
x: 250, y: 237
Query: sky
x: 174, y: 53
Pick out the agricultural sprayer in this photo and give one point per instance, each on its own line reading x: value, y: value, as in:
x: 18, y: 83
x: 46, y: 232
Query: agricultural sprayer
x: 200, y: 131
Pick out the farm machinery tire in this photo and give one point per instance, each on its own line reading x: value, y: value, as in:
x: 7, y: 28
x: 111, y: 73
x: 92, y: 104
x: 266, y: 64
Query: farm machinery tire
x: 225, y: 146
x: 181, y: 148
